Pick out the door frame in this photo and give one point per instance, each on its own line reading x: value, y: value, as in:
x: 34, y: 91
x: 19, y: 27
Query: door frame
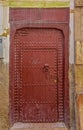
x: 62, y: 26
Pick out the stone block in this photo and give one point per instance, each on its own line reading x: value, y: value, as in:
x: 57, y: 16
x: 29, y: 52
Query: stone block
x: 79, y: 78
x: 79, y: 112
x: 79, y: 2
x: 77, y: 24
x: 79, y: 52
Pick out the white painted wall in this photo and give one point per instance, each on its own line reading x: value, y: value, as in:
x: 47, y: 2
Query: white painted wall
x: 1, y: 18
x: 4, y: 24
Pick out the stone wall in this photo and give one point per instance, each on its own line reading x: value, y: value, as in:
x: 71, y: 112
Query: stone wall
x: 4, y: 96
x: 4, y: 76
x: 79, y: 62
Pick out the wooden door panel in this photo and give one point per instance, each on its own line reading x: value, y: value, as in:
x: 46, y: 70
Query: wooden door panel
x: 34, y: 62
x: 40, y: 74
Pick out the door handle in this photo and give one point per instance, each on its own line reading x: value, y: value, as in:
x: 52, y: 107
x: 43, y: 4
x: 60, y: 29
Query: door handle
x: 46, y: 68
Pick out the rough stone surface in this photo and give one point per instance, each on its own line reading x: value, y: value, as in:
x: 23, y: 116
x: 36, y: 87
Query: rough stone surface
x: 79, y: 64
x: 79, y: 111
x: 79, y: 2
x: 79, y: 78
x: 79, y: 52
x: 72, y: 96
x: 79, y: 24
x: 4, y: 98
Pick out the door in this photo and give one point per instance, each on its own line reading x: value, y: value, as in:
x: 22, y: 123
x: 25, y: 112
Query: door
x: 39, y: 76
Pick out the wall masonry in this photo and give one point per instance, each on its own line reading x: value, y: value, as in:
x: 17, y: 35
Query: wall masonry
x: 79, y: 62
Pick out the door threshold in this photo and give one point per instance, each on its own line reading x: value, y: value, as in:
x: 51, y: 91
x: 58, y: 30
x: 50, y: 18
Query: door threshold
x: 39, y: 126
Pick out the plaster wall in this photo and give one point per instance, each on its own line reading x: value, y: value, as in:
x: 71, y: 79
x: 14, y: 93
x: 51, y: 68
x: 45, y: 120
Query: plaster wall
x: 1, y: 18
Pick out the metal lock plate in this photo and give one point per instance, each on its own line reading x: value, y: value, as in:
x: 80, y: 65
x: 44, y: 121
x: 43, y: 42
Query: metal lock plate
x: 1, y: 47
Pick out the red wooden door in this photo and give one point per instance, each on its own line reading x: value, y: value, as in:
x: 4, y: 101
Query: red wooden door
x: 39, y: 55
x: 39, y: 66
